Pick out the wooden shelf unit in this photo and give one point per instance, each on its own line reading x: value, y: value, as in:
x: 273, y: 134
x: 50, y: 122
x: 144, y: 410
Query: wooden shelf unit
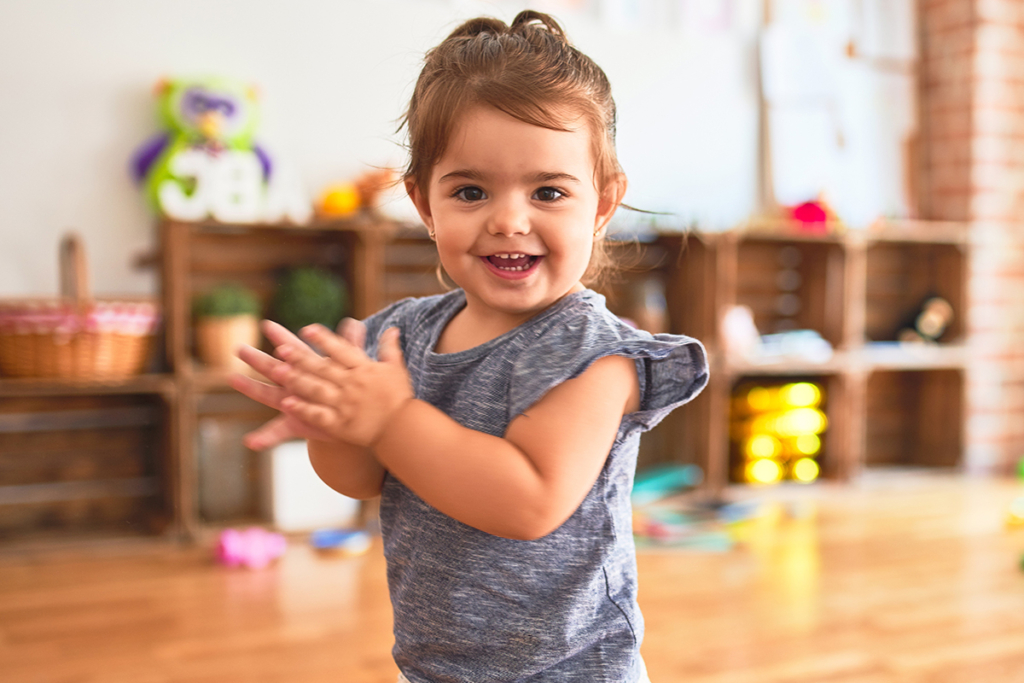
x: 887, y: 403
x: 196, y: 256
x: 855, y: 289
x: 86, y: 456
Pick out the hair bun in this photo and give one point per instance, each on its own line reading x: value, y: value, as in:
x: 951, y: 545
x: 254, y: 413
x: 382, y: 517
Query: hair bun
x: 525, y: 22
x: 532, y: 19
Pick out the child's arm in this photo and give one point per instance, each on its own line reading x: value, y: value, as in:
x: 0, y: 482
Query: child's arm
x: 349, y: 469
x: 522, y: 486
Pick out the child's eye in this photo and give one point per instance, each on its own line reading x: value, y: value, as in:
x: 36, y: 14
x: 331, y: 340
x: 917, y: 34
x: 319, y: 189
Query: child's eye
x: 469, y: 194
x: 548, y: 194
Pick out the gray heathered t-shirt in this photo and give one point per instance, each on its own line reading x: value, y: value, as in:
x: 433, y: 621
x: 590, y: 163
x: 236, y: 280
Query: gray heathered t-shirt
x: 471, y: 607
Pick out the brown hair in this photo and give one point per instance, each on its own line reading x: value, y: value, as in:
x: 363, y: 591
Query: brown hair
x: 527, y: 69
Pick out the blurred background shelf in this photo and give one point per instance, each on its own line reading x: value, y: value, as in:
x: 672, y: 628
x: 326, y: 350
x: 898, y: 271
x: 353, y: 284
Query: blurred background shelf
x: 164, y: 450
x: 786, y: 367
x: 856, y: 290
x: 162, y: 384
x: 903, y: 356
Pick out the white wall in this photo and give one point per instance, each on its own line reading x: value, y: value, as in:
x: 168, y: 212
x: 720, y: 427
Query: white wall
x: 75, y: 102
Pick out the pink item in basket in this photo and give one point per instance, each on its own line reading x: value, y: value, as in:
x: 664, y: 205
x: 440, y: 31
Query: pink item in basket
x: 254, y: 547
x: 132, y: 318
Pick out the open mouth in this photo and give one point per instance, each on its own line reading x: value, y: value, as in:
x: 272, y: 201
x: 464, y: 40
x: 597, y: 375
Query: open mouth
x: 512, y: 263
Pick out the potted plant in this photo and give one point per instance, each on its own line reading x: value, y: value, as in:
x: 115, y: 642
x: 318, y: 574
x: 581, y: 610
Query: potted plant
x: 226, y: 317
x: 309, y: 295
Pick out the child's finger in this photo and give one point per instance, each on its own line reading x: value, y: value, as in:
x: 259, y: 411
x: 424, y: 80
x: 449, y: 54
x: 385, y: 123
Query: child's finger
x: 353, y: 331
x: 339, y: 349
x: 318, y: 416
x: 277, y: 334
x: 260, y: 392
x: 260, y: 362
x: 270, y: 434
x: 309, y: 362
x: 310, y: 387
x: 390, y: 347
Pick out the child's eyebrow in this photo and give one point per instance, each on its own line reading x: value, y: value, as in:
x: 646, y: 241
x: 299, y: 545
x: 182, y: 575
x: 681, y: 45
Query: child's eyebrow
x: 464, y: 173
x: 542, y: 177
x: 548, y: 177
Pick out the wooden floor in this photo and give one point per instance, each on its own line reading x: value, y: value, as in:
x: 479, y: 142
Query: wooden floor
x: 897, y: 579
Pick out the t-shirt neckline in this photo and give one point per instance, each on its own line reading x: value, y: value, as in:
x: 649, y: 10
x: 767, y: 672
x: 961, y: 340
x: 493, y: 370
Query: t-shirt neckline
x: 456, y: 301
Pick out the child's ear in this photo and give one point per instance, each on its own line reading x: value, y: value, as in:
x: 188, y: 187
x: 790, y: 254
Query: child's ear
x: 610, y: 199
x: 421, y: 203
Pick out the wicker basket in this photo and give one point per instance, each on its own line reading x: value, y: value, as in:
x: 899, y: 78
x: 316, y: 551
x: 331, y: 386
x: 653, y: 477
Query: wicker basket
x: 76, y: 336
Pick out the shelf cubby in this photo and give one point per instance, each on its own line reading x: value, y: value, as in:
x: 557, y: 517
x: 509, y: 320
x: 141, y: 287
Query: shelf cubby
x: 914, y: 418
x: 901, y: 275
x: 82, y: 462
x: 792, y: 284
x: 829, y: 438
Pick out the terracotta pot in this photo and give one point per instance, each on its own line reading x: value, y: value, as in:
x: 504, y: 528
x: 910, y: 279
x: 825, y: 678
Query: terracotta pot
x: 218, y: 339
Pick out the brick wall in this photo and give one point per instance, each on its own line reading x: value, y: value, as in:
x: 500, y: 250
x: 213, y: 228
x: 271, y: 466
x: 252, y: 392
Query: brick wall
x: 972, y: 153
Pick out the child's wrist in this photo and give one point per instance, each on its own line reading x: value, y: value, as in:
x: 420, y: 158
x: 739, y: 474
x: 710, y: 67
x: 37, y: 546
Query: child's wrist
x: 389, y: 424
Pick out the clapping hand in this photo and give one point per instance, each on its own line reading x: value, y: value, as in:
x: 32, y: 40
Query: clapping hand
x: 345, y: 395
x: 285, y: 427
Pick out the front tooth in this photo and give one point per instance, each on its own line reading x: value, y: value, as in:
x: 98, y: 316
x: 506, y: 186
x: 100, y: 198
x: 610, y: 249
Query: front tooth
x: 505, y: 256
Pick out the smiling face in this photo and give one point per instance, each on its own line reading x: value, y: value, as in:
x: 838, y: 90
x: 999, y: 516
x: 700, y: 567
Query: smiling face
x: 515, y: 212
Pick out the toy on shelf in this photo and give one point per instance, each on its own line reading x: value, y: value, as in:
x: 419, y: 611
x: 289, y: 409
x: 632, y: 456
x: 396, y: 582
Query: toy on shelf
x: 206, y: 164
x: 254, y: 548
x: 339, y: 200
x: 372, y: 184
x: 775, y: 431
x: 812, y: 217
x: 928, y: 323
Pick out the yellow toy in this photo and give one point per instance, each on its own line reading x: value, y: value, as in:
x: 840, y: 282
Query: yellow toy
x: 344, y: 199
x: 339, y: 200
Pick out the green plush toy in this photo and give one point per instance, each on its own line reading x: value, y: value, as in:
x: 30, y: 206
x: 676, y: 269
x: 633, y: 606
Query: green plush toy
x: 206, y: 163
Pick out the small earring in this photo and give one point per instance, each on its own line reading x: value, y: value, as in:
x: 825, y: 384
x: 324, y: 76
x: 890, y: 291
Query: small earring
x: 430, y: 233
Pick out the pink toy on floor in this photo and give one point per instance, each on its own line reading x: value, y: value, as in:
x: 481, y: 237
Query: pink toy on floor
x: 254, y: 547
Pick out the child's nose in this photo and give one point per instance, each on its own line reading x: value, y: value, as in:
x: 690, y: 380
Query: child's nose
x: 509, y: 218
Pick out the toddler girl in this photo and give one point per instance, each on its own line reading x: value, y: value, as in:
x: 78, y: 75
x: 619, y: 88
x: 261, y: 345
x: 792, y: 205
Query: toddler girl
x: 499, y: 422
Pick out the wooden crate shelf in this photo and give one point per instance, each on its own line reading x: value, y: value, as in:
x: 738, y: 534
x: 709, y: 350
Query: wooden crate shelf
x: 85, y: 456
x: 196, y: 256
x: 854, y: 289
x: 162, y: 384
x: 887, y: 403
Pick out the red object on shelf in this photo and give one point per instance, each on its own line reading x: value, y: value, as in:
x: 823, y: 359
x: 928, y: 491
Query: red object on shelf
x: 811, y: 216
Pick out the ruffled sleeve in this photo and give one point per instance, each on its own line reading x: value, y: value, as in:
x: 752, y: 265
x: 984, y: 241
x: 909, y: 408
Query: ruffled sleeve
x: 672, y: 369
